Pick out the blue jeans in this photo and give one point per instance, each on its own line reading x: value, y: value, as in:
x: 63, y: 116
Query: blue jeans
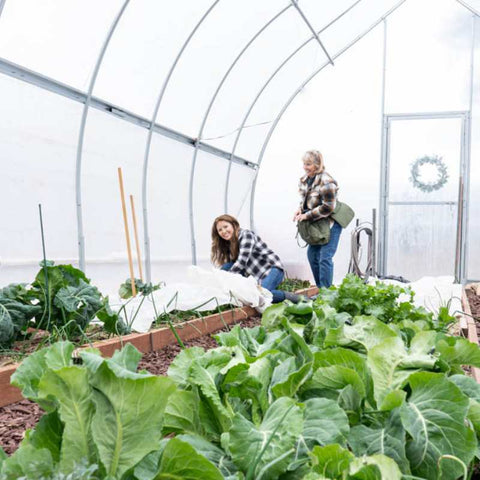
x: 320, y: 258
x: 270, y: 282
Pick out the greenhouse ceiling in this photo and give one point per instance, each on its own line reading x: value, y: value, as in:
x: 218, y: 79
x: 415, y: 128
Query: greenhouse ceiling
x: 186, y: 97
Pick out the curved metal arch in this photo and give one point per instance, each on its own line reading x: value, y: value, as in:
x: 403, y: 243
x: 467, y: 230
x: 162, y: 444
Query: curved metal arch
x: 81, y: 134
x: 299, y: 89
x: 468, y: 7
x: 205, y: 117
x: 244, y: 121
x: 148, y: 143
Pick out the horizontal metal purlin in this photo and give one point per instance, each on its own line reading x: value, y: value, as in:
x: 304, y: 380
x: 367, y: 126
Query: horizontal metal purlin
x: 425, y: 116
x: 423, y: 203
x: 38, y: 80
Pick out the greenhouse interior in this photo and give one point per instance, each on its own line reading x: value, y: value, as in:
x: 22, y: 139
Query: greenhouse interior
x: 244, y: 239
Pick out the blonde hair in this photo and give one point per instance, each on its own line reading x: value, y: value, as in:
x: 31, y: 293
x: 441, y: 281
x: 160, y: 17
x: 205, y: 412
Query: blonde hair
x: 224, y: 251
x: 316, y: 158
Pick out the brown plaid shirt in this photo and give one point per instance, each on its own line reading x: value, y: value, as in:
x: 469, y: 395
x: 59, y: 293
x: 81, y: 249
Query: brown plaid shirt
x: 319, y: 201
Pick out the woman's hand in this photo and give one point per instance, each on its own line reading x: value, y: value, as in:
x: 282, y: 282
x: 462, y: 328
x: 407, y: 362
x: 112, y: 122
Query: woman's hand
x: 296, y: 214
x: 299, y: 216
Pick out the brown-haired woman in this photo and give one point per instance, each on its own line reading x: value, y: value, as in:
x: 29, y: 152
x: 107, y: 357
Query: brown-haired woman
x: 242, y: 251
x: 318, y: 192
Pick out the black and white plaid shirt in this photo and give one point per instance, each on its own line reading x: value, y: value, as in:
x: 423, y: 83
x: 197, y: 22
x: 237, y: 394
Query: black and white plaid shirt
x: 254, y: 256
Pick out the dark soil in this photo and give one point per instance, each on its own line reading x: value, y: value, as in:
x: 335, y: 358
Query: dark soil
x: 474, y: 301
x: 16, y: 418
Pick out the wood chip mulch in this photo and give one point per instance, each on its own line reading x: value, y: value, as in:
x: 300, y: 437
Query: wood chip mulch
x: 474, y: 301
x: 16, y: 418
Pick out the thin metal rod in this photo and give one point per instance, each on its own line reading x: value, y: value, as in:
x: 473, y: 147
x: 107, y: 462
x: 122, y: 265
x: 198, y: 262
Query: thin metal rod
x: 469, y: 7
x: 204, y: 120
x: 81, y: 134
x: 45, y: 271
x: 127, y: 232
x: 265, y: 85
x: 146, y: 157
x: 468, y: 153
x: 135, y: 234
x: 309, y: 25
x: 302, y: 86
x: 383, y: 200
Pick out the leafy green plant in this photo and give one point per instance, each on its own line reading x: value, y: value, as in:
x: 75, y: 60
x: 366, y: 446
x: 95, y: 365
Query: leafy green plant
x: 313, y: 393
x: 293, y: 284
x: 16, y: 311
x: 125, y: 290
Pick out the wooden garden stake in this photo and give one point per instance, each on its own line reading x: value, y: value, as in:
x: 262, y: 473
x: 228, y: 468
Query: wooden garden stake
x: 137, y: 244
x: 127, y: 234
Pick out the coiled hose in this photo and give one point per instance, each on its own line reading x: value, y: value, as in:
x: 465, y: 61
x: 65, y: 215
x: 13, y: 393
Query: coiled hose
x: 356, y: 252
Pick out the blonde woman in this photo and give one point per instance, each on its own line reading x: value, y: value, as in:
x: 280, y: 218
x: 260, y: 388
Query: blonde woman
x: 318, y: 192
x: 242, y: 251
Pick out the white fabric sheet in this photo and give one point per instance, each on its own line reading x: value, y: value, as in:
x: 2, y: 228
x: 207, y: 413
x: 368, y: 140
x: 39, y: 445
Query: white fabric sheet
x: 203, y: 290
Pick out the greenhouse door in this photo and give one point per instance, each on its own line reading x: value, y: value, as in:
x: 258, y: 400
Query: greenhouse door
x: 423, y: 212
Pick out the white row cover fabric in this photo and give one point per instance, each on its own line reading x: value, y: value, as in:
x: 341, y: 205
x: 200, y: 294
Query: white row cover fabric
x: 203, y: 290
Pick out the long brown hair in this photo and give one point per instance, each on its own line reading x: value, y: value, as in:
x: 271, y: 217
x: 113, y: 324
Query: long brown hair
x: 224, y: 251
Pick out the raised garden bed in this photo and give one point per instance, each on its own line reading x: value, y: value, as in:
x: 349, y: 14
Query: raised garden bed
x: 16, y: 418
x: 471, y: 307
x: 146, y: 342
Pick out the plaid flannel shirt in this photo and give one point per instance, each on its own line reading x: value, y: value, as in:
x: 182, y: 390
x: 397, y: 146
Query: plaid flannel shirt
x: 254, y: 256
x: 320, y: 200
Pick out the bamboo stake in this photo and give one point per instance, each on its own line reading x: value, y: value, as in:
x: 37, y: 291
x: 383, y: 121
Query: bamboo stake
x: 127, y: 234
x: 137, y: 244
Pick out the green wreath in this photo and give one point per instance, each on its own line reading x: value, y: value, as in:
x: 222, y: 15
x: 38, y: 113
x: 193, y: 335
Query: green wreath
x: 429, y: 186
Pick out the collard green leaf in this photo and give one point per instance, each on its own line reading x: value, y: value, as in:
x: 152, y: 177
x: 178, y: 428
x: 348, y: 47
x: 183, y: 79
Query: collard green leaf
x: 205, y: 380
x: 27, y: 376
x: 181, y: 461
x: 7, y: 331
x: 331, y: 460
x: 273, y: 316
x: 71, y: 389
x: 251, y: 382
x: 16, y: 310
x: 212, y: 453
x: 47, y: 434
x: 268, y: 448
x: 112, y: 321
x: 287, y: 379
x: 434, y: 416
x: 336, y: 377
x: 178, y: 370
x: 458, y: 351
x: 59, y: 355
x: 377, y: 467
x: 389, y: 440
x: 82, y: 302
x: 363, y: 334
x: 391, y: 364
x: 471, y: 389
x: 127, y: 358
x: 467, y: 385
x: 28, y: 463
x: 129, y: 415
x: 181, y: 413
x: 324, y: 422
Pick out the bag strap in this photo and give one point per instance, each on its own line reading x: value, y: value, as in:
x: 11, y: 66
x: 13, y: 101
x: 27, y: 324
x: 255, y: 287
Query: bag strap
x: 298, y: 243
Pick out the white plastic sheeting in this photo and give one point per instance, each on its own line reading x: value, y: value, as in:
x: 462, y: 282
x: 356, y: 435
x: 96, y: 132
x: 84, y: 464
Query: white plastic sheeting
x: 210, y: 75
